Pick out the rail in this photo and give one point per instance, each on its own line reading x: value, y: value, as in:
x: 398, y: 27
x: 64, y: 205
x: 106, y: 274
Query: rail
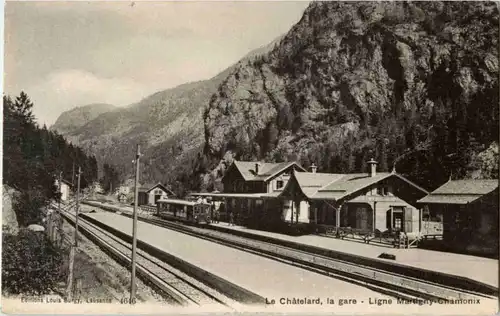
x: 182, y: 289
x: 425, y: 284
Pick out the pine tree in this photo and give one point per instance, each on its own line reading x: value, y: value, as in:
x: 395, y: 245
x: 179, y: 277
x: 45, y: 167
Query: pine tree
x: 32, y: 157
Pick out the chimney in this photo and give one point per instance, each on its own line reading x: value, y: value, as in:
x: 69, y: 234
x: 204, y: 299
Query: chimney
x: 314, y: 168
x: 257, y: 167
x: 373, y: 167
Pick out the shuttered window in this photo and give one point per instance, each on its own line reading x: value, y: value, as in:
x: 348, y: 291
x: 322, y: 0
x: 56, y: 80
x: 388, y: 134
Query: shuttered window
x: 408, y: 216
x: 361, y: 218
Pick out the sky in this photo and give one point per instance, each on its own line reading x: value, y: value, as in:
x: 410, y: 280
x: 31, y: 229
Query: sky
x: 69, y: 54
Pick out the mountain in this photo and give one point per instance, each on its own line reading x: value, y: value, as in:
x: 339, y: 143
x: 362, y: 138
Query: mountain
x: 411, y: 84
x: 168, y: 125
x: 72, y: 119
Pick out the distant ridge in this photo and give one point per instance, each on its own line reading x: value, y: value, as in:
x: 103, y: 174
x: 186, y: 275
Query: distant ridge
x: 77, y: 117
x: 168, y: 124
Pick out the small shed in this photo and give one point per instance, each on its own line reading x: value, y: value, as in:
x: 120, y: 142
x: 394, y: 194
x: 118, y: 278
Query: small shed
x: 64, y: 188
x: 150, y: 194
x: 122, y: 198
x: 470, y: 215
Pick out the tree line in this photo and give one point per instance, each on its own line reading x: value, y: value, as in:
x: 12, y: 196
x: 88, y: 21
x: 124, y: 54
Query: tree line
x: 34, y: 157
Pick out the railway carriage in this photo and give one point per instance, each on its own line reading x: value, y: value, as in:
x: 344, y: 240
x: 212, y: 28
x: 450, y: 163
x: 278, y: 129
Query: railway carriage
x: 196, y: 212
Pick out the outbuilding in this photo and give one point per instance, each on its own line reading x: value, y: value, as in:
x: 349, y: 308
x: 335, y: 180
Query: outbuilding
x: 149, y: 194
x: 469, y: 210
x: 64, y: 188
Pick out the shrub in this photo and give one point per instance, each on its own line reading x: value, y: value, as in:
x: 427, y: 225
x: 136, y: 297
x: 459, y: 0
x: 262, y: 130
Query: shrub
x: 30, y: 264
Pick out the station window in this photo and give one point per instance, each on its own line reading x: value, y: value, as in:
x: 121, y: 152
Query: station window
x: 279, y: 184
x: 382, y: 190
x: 397, y: 223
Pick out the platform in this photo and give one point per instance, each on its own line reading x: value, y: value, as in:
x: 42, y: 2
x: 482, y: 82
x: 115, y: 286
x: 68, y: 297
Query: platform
x: 477, y: 268
x: 473, y: 267
x: 274, y: 280
x: 266, y: 277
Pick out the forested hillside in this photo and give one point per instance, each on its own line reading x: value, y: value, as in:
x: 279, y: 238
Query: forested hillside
x: 33, y: 157
x: 168, y: 125
x: 75, y: 118
x: 412, y: 84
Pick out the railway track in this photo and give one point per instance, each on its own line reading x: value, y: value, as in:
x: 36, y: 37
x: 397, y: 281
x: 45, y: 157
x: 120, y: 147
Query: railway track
x: 375, y: 280
x: 393, y: 284
x: 172, y: 283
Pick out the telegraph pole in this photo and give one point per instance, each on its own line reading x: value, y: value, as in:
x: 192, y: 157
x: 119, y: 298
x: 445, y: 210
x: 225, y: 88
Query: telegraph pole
x: 59, y: 202
x: 69, y: 290
x: 73, y: 177
x: 60, y: 185
x: 134, y: 225
x: 77, y: 206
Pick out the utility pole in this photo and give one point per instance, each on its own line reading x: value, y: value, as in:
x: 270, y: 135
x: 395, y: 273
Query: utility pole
x: 73, y: 177
x: 69, y: 290
x: 77, y: 207
x: 134, y: 225
x: 60, y: 185
x: 59, y: 202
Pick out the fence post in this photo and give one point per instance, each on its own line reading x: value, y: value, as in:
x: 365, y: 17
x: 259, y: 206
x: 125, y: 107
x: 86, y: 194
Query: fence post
x: 70, y: 273
x: 78, y: 288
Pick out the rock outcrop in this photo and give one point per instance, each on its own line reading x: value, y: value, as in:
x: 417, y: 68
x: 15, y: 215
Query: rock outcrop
x: 9, y: 218
x: 355, y: 76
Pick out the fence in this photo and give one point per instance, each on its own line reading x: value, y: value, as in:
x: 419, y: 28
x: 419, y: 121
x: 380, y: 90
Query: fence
x: 64, y: 241
x: 148, y: 208
x: 393, y: 239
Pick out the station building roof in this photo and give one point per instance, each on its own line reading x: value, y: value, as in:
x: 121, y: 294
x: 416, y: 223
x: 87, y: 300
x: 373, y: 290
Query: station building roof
x: 460, y: 191
x: 322, y: 186
x: 65, y: 182
x: 266, y: 170
x: 149, y: 187
x: 331, y: 186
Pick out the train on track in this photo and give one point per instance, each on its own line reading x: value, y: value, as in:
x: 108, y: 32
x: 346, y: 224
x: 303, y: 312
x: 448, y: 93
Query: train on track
x: 195, y: 212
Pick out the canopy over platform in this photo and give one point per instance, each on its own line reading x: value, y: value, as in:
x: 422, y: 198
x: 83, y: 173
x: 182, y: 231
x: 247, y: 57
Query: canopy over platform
x: 230, y: 195
x: 180, y: 202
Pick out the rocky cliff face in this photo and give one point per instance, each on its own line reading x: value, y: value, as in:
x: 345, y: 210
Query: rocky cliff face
x: 9, y: 218
x: 354, y: 79
x: 73, y: 119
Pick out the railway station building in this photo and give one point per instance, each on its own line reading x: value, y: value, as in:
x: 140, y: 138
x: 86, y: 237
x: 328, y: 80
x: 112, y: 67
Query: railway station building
x: 246, y: 182
x: 365, y: 202
x: 373, y: 202
x: 258, y: 177
x: 469, y: 209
